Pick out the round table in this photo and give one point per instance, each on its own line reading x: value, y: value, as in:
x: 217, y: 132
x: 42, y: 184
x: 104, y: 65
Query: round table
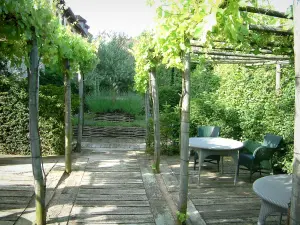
x: 206, y: 146
x: 275, y: 193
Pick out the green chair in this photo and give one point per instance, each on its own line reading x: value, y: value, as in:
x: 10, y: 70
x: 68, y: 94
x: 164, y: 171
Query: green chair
x: 208, y: 131
x: 256, y: 157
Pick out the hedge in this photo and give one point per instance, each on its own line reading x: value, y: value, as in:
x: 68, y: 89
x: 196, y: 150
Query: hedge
x: 14, y: 117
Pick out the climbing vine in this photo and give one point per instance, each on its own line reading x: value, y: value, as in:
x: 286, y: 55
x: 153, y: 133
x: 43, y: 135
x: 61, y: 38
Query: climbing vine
x: 20, y: 19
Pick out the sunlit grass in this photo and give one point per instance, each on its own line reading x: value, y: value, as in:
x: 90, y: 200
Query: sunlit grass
x: 108, y: 101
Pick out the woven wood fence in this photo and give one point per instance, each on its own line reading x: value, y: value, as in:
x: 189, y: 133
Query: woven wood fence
x: 114, y: 117
x: 130, y: 132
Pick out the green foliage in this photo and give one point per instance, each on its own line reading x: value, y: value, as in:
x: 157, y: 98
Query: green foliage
x: 169, y: 86
x: 14, y: 118
x: 51, y: 76
x: 56, y: 95
x: 109, y: 101
x: 19, y: 20
x: 243, y: 102
x: 169, y: 131
x: 181, y: 216
x: 115, y: 69
x: 145, y: 60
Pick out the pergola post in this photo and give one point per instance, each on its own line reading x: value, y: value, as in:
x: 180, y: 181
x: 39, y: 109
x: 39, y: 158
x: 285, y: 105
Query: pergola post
x: 295, y: 200
x: 278, y: 77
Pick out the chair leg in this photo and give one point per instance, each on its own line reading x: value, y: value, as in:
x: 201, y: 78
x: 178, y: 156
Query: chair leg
x: 238, y: 169
x: 218, y: 164
x: 195, y: 161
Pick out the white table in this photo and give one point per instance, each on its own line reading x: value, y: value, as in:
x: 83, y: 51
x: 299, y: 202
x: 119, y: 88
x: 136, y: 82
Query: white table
x: 275, y: 193
x: 206, y: 146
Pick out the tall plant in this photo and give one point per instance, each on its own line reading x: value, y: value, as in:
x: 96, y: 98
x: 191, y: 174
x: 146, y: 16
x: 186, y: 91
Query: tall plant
x: 145, y: 67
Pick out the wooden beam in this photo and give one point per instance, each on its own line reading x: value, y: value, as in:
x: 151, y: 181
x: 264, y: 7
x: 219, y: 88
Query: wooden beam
x: 267, y: 12
x: 269, y: 29
x: 216, y: 53
x: 247, y: 62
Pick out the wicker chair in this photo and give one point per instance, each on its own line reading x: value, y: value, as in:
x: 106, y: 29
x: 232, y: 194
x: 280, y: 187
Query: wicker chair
x: 208, y: 131
x: 256, y: 157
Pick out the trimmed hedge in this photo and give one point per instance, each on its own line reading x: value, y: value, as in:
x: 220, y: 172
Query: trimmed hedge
x: 14, y: 117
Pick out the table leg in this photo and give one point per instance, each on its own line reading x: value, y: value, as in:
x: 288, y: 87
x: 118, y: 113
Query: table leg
x: 222, y: 163
x: 235, y: 157
x: 201, y: 155
x: 266, y: 209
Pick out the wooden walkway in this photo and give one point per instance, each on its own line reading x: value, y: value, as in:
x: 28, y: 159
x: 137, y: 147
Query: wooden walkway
x: 113, y: 186
x: 112, y: 183
x: 217, y: 200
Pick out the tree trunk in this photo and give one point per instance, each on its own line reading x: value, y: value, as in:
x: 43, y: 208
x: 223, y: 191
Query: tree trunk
x: 35, y: 146
x: 147, y: 116
x: 80, y: 113
x: 68, y: 124
x: 295, y: 201
x: 184, y: 142
x: 156, y: 122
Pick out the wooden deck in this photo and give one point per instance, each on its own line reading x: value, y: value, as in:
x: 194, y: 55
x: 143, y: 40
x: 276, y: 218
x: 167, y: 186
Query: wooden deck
x: 217, y: 199
x: 112, y: 183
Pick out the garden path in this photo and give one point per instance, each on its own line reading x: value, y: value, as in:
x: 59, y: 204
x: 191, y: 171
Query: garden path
x: 111, y: 183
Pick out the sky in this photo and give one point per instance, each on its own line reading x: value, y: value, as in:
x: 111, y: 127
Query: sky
x: 129, y: 16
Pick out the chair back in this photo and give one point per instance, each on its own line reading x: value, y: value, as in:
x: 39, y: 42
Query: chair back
x: 272, y: 141
x: 208, y: 131
x: 250, y: 146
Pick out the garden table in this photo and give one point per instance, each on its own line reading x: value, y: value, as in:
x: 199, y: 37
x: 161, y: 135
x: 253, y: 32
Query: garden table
x: 275, y: 192
x: 206, y: 146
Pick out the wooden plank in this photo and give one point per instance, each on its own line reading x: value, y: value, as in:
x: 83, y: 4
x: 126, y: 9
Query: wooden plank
x: 112, y: 219
x: 123, y: 175
x: 228, y: 207
x: 14, y: 200
x: 111, y: 181
x: 95, y: 203
x: 80, y: 211
x: 224, y: 201
x: 120, y: 186
x: 10, y: 193
x: 97, y: 192
x: 87, y: 197
x: 6, y: 222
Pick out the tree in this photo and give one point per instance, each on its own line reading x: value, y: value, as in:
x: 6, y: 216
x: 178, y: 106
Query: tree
x: 295, y: 201
x: 68, y: 113
x: 156, y: 122
x: 80, y: 113
x: 184, y: 137
x: 145, y: 67
x: 115, y: 70
x: 35, y: 144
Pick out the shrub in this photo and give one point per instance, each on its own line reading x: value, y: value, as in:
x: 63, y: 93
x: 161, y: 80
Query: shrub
x: 109, y: 101
x: 169, y: 131
x: 14, y: 118
x: 243, y: 102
